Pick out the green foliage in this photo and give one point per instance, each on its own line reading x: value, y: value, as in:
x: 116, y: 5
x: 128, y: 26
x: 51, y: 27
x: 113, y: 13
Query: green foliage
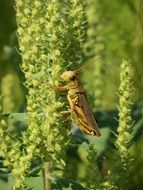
x: 37, y: 148
x: 65, y: 184
x: 10, y: 103
x: 125, y: 121
x: 44, y: 52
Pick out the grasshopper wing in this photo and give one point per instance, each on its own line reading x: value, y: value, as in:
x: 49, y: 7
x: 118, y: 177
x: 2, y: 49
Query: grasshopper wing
x: 85, y: 119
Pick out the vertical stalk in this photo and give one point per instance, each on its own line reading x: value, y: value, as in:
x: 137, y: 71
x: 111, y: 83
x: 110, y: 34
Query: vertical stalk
x: 125, y: 123
x: 48, y: 35
x: 138, y: 45
x: 47, y: 171
x: 41, y: 52
x: 94, y: 46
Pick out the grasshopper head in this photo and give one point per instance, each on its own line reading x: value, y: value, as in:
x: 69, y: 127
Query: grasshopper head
x: 69, y: 75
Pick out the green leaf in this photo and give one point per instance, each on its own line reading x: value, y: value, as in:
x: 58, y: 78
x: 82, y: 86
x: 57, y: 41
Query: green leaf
x: 3, y: 185
x: 36, y: 183
x: 100, y: 142
x: 65, y: 184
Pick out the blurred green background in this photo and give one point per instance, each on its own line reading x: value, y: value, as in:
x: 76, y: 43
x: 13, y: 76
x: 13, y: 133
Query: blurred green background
x: 121, y: 31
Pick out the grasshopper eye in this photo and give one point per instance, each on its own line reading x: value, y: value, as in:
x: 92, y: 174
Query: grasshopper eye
x: 73, y: 77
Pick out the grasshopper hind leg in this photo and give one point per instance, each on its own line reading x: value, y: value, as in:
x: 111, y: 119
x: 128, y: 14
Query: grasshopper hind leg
x: 83, y: 126
x: 80, y: 122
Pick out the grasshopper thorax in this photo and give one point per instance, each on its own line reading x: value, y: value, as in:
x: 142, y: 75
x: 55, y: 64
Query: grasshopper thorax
x: 69, y: 75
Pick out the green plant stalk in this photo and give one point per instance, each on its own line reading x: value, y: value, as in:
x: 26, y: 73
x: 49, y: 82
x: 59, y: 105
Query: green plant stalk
x: 109, y: 182
x: 7, y: 101
x: 125, y: 120
x: 9, y: 148
x: 118, y: 174
x: 75, y: 37
x: 125, y: 103
x: 138, y: 44
x: 9, y: 144
x: 46, y: 50
x: 94, y: 46
x: 34, y: 45
x: 92, y: 171
x: 93, y: 180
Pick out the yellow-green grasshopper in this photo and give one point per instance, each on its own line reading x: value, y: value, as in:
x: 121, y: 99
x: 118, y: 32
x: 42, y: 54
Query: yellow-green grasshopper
x: 81, y: 113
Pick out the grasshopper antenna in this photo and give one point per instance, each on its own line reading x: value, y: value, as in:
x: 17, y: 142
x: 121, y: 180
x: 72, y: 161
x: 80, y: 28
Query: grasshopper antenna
x: 90, y: 61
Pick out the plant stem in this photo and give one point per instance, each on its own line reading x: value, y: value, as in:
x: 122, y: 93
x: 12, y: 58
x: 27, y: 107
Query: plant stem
x: 47, y: 171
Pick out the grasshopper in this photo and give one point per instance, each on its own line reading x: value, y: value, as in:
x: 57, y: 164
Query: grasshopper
x: 81, y: 113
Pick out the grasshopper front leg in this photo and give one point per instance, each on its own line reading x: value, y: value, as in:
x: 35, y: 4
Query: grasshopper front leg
x: 65, y: 112
x: 58, y: 88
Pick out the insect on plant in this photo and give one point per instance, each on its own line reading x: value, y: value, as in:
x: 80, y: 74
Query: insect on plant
x: 80, y: 111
